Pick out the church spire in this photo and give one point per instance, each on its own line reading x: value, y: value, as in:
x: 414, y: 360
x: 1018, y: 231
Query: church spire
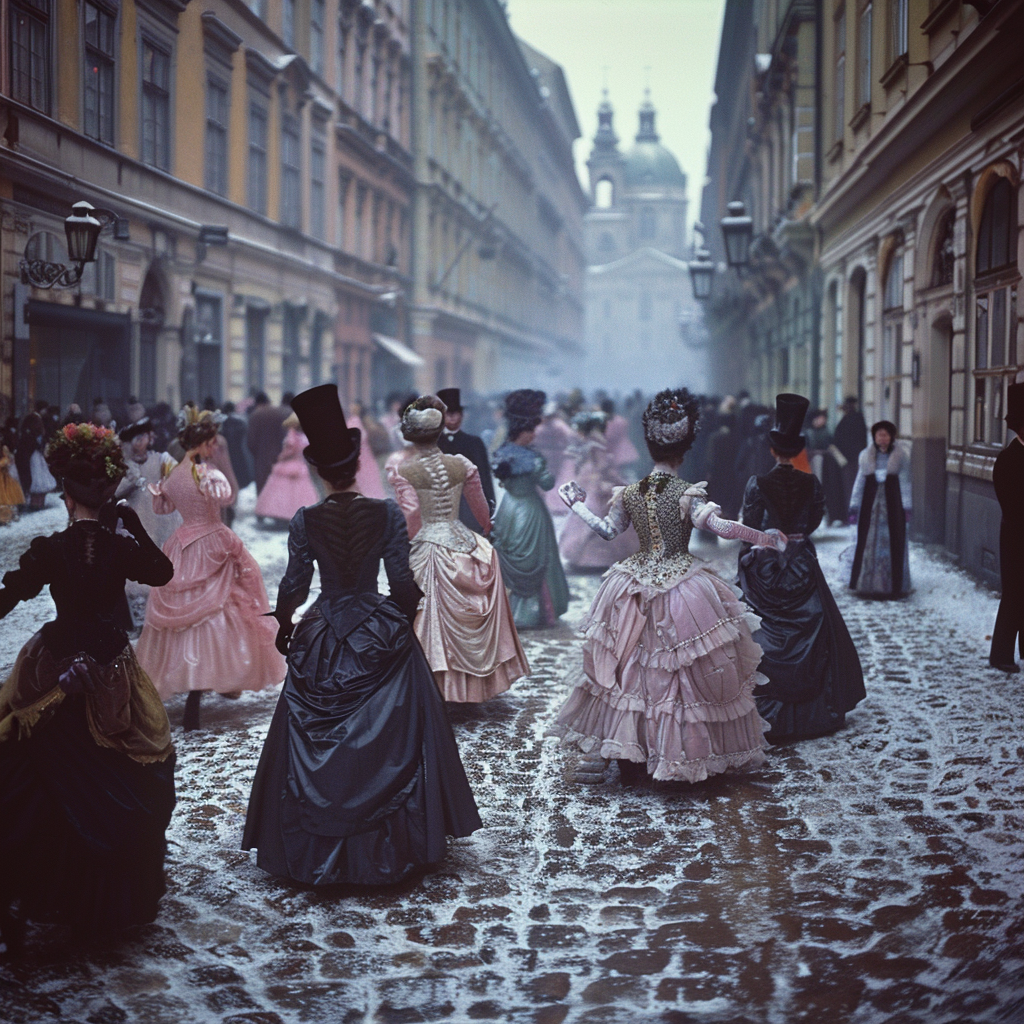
x: 647, y: 132
x: 605, y: 139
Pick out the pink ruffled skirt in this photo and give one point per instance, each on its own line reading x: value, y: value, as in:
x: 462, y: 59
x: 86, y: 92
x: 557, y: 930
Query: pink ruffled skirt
x: 465, y: 624
x: 668, y: 678
x: 206, y: 629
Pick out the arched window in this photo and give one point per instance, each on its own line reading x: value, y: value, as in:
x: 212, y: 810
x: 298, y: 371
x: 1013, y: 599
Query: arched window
x: 604, y: 194
x: 943, y: 257
x: 995, y: 249
x: 995, y: 313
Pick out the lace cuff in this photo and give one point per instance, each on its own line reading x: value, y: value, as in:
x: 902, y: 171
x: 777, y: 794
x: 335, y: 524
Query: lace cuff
x: 706, y: 517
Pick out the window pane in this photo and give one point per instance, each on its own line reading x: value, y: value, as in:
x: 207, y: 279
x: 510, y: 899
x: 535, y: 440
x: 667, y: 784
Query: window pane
x: 981, y: 334
x: 998, y: 328
x: 864, y: 56
x: 996, y: 427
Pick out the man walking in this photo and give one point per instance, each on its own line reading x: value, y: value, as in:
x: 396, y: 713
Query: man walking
x: 455, y: 441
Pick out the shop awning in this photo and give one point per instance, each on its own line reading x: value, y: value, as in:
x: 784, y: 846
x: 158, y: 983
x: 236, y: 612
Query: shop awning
x: 399, y: 350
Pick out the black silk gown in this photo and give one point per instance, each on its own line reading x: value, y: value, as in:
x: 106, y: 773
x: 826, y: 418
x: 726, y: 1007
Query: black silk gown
x: 86, y: 778
x: 360, y: 778
x: 814, y: 674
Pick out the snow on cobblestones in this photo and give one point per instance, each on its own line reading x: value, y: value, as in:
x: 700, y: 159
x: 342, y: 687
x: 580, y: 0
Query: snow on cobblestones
x: 875, y: 875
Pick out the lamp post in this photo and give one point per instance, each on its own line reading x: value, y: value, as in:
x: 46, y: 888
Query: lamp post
x: 702, y: 270
x: 737, y: 230
x: 82, y: 229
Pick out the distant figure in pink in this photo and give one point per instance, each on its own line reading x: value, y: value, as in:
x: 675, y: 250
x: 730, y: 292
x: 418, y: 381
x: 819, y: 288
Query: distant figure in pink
x: 207, y: 629
x: 289, y: 486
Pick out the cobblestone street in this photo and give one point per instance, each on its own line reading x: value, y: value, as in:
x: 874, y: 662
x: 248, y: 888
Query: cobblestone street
x: 875, y: 875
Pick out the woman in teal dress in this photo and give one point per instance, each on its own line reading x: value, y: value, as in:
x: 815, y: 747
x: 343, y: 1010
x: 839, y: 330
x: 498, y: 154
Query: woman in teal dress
x: 524, y: 532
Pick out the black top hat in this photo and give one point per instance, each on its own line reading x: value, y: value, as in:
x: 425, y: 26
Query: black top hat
x: 786, y: 437
x: 1015, y: 408
x: 451, y: 398
x: 332, y: 443
x: 140, y: 426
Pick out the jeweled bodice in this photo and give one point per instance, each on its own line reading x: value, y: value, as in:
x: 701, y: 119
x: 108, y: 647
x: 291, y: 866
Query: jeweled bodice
x: 653, y: 508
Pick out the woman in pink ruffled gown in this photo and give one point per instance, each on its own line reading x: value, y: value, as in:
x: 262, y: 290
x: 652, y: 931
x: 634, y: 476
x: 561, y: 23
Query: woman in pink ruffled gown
x: 289, y: 486
x: 464, y: 623
x: 207, y: 629
x: 669, y: 664
x: 595, y: 472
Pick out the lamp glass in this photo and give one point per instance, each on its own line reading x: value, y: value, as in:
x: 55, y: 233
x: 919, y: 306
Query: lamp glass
x: 702, y: 270
x: 737, y: 231
x: 82, y: 230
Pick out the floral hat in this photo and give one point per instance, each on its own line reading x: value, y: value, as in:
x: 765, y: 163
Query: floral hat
x: 88, y: 461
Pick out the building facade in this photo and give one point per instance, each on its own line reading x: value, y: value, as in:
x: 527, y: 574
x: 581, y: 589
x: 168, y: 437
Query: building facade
x: 641, y: 324
x: 913, y: 233
x: 498, y: 254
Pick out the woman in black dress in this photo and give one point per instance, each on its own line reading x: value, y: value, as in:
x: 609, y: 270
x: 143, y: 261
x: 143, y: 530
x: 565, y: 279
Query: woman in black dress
x: 86, y: 762
x: 360, y: 779
x: 814, y: 674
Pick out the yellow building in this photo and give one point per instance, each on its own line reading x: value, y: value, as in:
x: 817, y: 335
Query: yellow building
x: 886, y: 195
x: 287, y: 122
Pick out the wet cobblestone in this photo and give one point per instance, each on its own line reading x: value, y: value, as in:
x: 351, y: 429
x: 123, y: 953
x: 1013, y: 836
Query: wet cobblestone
x: 875, y: 875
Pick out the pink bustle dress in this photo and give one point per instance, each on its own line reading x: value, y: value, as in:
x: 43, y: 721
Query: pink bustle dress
x: 464, y: 622
x: 289, y: 486
x: 207, y: 629
x: 669, y: 664
x: 598, y: 475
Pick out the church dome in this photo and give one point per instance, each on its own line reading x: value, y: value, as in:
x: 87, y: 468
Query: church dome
x: 648, y: 162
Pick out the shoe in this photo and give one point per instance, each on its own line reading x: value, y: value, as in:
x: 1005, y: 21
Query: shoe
x: 1011, y: 667
x: 190, y: 721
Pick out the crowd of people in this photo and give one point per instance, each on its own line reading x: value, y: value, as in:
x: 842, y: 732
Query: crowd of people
x: 683, y: 674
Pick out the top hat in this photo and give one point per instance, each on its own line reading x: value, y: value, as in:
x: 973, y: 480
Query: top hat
x: 140, y: 426
x: 1015, y: 408
x: 451, y: 398
x: 786, y: 437
x: 332, y: 443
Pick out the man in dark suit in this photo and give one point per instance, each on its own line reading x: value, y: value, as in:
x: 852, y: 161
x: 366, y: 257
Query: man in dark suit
x: 265, y: 435
x: 850, y: 438
x: 455, y: 441
x: 1008, y: 479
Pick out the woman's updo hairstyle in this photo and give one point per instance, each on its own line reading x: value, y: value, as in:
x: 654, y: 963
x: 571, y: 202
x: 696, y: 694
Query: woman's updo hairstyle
x: 195, y: 426
x: 670, y: 424
x: 423, y: 420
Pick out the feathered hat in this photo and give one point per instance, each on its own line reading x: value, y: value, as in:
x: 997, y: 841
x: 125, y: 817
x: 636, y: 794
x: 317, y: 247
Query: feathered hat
x: 88, y: 462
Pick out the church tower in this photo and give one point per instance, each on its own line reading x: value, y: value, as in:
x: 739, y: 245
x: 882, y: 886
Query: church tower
x: 605, y: 230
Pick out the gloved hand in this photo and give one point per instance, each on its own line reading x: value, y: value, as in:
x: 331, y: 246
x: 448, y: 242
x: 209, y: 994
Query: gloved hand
x: 571, y: 492
x: 283, y: 638
x: 77, y: 677
x: 113, y: 511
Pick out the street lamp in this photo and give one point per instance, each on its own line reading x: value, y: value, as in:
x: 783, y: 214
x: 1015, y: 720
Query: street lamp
x: 83, y: 229
x: 737, y: 230
x: 702, y: 270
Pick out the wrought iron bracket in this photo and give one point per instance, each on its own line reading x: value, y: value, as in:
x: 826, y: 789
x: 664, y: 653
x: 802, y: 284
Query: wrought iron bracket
x: 43, y: 274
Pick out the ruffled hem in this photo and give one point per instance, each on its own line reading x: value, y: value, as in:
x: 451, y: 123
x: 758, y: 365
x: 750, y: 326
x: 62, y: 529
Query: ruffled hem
x: 462, y: 688
x: 659, y: 768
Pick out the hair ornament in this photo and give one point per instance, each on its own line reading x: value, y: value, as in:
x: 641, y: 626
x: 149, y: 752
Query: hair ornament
x: 669, y: 433
x: 423, y: 419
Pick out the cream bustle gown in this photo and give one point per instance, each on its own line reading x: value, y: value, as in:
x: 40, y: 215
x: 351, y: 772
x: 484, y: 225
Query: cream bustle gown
x: 207, y: 629
x: 465, y: 621
x: 669, y: 664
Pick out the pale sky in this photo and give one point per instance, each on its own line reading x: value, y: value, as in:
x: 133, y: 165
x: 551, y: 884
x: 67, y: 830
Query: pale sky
x: 670, y: 45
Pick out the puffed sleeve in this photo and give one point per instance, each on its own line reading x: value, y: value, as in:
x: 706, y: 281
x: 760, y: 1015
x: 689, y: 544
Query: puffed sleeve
x: 406, y: 496
x: 542, y: 476
x: 34, y: 571
x: 163, y: 503
x: 473, y: 492
x: 404, y: 591
x: 906, y: 490
x: 214, y: 485
x: 294, y: 587
x: 754, y: 509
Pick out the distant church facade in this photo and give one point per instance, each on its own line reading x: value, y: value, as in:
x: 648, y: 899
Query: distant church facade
x: 643, y: 329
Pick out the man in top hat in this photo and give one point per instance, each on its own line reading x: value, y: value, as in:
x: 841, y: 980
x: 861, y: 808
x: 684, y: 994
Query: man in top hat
x: 455, y: 441
x: 1008, y: 478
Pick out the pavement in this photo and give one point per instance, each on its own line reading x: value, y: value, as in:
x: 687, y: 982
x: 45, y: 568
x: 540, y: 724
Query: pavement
x: 871, y: 876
